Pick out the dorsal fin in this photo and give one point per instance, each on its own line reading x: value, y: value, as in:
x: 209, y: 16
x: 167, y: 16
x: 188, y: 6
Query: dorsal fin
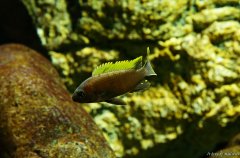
x: 119, y: 65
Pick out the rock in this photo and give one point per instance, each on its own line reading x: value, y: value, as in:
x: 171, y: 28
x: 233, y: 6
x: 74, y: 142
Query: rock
x: 38, y: 119
x: 207, y: 16
x: 85, y: 22
x: 54, y: 23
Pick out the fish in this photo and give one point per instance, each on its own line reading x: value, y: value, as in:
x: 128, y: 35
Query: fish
x: 110, y: 80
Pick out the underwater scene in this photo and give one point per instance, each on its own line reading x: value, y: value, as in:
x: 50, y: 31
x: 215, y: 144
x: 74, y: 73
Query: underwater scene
x: 120, y: 79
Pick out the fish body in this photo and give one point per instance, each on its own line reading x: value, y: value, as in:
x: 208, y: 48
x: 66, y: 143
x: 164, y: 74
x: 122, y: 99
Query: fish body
x: 112, y: 81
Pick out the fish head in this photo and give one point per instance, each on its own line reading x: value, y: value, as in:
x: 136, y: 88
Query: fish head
x: 84, y: 94
x: 78, y: 95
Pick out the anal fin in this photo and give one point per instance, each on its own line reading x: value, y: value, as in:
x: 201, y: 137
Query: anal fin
x: 141, y: 86
x: 116, y: 101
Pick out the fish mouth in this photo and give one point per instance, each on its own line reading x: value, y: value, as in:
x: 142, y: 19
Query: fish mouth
x: 75, y: 98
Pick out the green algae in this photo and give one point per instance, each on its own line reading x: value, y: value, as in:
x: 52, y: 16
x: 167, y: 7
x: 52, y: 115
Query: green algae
x: 51, y: 20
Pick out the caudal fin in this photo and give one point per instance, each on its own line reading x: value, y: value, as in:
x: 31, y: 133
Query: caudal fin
x: 149, y: 69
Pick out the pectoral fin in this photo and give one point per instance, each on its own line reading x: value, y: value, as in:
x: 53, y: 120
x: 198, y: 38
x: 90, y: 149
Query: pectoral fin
x: 141, y: 86
x: 116, y: 101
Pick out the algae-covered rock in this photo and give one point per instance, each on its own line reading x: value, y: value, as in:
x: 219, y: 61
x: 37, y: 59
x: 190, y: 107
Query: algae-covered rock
x: 52, y: 21
x: 61, y: 23
x: 207, y: 16
x: 37, y: 116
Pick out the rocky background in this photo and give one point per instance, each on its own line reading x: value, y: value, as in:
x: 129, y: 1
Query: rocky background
x: 193, y: 106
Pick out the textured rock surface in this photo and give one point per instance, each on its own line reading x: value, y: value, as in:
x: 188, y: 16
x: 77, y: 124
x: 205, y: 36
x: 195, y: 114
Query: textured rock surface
x: 37, y: 116
x: 195, y: 45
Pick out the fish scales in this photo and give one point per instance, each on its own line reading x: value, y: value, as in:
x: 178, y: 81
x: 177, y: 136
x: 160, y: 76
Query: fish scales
x: 115, y: 83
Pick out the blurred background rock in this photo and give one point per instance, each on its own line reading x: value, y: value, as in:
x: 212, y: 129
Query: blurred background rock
x: 193, y: 105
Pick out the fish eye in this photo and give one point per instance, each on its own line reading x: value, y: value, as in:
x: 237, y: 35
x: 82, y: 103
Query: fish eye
x: 81, y: 94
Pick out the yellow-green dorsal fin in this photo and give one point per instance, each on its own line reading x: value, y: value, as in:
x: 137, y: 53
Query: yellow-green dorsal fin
x: 119, y: 65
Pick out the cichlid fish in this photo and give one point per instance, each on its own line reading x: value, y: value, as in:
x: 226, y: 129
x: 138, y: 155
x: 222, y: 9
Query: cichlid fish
x: 110, y: 80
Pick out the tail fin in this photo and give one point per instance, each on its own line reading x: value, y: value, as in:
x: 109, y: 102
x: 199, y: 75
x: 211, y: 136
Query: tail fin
x: 149, y: 69
x: 147, y: 66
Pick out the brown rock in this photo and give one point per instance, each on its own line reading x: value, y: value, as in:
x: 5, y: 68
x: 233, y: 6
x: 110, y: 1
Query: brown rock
x: 37, y: 116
